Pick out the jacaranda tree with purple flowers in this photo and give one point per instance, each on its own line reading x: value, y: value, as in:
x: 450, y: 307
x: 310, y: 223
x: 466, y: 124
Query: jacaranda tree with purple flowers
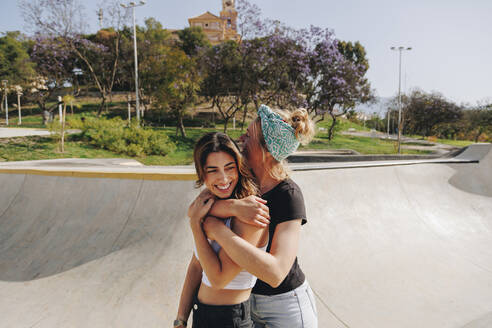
x: 287, y: 67
x: 64, y: 21
x: 54, y: 63
x: 337, y: 78
x: 278, y: 71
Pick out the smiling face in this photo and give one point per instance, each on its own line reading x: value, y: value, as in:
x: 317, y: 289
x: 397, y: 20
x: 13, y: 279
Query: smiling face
x: 221, y: 174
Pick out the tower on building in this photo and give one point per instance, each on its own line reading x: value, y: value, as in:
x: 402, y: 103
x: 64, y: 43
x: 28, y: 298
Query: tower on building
x: 218, y: 28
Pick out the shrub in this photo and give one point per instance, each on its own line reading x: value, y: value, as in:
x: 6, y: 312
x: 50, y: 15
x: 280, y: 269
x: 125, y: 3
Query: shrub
x: 115, y: 135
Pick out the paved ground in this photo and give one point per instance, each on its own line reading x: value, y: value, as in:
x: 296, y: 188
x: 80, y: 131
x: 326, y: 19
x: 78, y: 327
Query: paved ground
x: 106, y: 244
x: 26, y: 132
x: 22, y: 132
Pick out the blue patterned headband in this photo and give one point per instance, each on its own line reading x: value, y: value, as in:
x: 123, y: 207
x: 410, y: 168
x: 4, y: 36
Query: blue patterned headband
x: 279, y: 136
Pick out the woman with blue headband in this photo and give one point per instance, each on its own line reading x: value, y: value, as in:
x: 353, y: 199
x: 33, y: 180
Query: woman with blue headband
x: 281, y: 296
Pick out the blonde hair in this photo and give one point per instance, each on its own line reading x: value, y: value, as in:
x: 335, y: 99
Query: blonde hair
x: 220, y: 142
x: 303, y: 126
x: 301, y: 123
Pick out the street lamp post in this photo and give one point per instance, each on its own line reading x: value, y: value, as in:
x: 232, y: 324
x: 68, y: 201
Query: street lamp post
x: 19, y: 94
x: 129, y: 109
x: 4, y: 82
x: 133, y: 5
x: 60, y: 111
x: 389, y: 112
x: 399, y: 49
x: 77, y: 72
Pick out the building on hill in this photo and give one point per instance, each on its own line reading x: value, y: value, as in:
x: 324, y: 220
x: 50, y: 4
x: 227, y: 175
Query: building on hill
x: 219, y: 28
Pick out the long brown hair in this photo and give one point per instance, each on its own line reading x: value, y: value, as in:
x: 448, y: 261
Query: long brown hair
x: 216, y: 142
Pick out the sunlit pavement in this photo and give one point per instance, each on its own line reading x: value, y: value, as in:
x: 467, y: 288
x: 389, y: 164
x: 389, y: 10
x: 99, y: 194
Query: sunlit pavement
x: 22, y: 132
x: 87, y: 243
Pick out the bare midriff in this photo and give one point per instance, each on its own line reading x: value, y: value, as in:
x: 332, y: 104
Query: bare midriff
x: 211, y: 296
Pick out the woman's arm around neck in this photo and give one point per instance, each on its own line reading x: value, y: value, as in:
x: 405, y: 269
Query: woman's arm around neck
x: 270, y: 267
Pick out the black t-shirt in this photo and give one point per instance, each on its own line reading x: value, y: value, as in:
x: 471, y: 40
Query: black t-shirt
x: 285, y: 202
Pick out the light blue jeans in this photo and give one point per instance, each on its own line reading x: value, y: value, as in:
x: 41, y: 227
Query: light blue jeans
x: 294, y: 309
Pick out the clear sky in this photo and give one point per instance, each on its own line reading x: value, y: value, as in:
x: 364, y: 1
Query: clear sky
x: 451, y: 39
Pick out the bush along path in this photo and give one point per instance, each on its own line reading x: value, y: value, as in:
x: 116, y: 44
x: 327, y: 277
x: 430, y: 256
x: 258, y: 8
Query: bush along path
x: 117, y: 136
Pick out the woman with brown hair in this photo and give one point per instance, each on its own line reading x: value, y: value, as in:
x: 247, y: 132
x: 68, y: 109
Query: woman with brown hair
x: 281, y: 296
x: 222, y: 299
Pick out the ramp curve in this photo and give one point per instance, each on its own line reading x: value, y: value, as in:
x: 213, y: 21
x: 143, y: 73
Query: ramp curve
x: 385, y: 246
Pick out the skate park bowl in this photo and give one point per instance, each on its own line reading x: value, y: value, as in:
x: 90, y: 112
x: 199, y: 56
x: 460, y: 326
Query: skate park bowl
x: 387, y: 244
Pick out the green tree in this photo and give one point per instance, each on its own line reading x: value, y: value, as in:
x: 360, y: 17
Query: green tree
x: 178, y: 85
x: 221, y: 68
x: 479, y: 121
x: 354, y: 52
x: 153, y: 45
x: 191, y: 39
x: 423, y: 112
x: 101, y: 58
x: 15, y: 64
x: 376, y: 122
x: 393, y: 112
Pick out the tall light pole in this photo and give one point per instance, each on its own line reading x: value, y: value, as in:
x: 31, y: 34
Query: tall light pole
x: 4, y: 82
x: 19, y: 94
x: 399, y: 49
x: 77, y: 72
x: 133, y: 5
x: 389, y: 112
x: 100, y: 17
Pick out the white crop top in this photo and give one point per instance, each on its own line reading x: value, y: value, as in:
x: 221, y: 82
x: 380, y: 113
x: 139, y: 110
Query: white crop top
x: 243, y: 280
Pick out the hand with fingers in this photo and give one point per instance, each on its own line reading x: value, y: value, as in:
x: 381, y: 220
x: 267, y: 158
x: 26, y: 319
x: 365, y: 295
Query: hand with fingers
x: 253, y: 210
x: 200, y: 207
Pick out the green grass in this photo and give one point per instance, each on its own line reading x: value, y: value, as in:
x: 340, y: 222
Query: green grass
x: 457, y: 143
x: 363, y: 145
x: 38, y: 148
x: 35, y: 148
x: 411, y: 143
x: 27, y: 122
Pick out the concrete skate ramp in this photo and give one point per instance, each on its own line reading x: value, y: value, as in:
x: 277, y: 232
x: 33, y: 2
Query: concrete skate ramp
x: 385, y: 246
